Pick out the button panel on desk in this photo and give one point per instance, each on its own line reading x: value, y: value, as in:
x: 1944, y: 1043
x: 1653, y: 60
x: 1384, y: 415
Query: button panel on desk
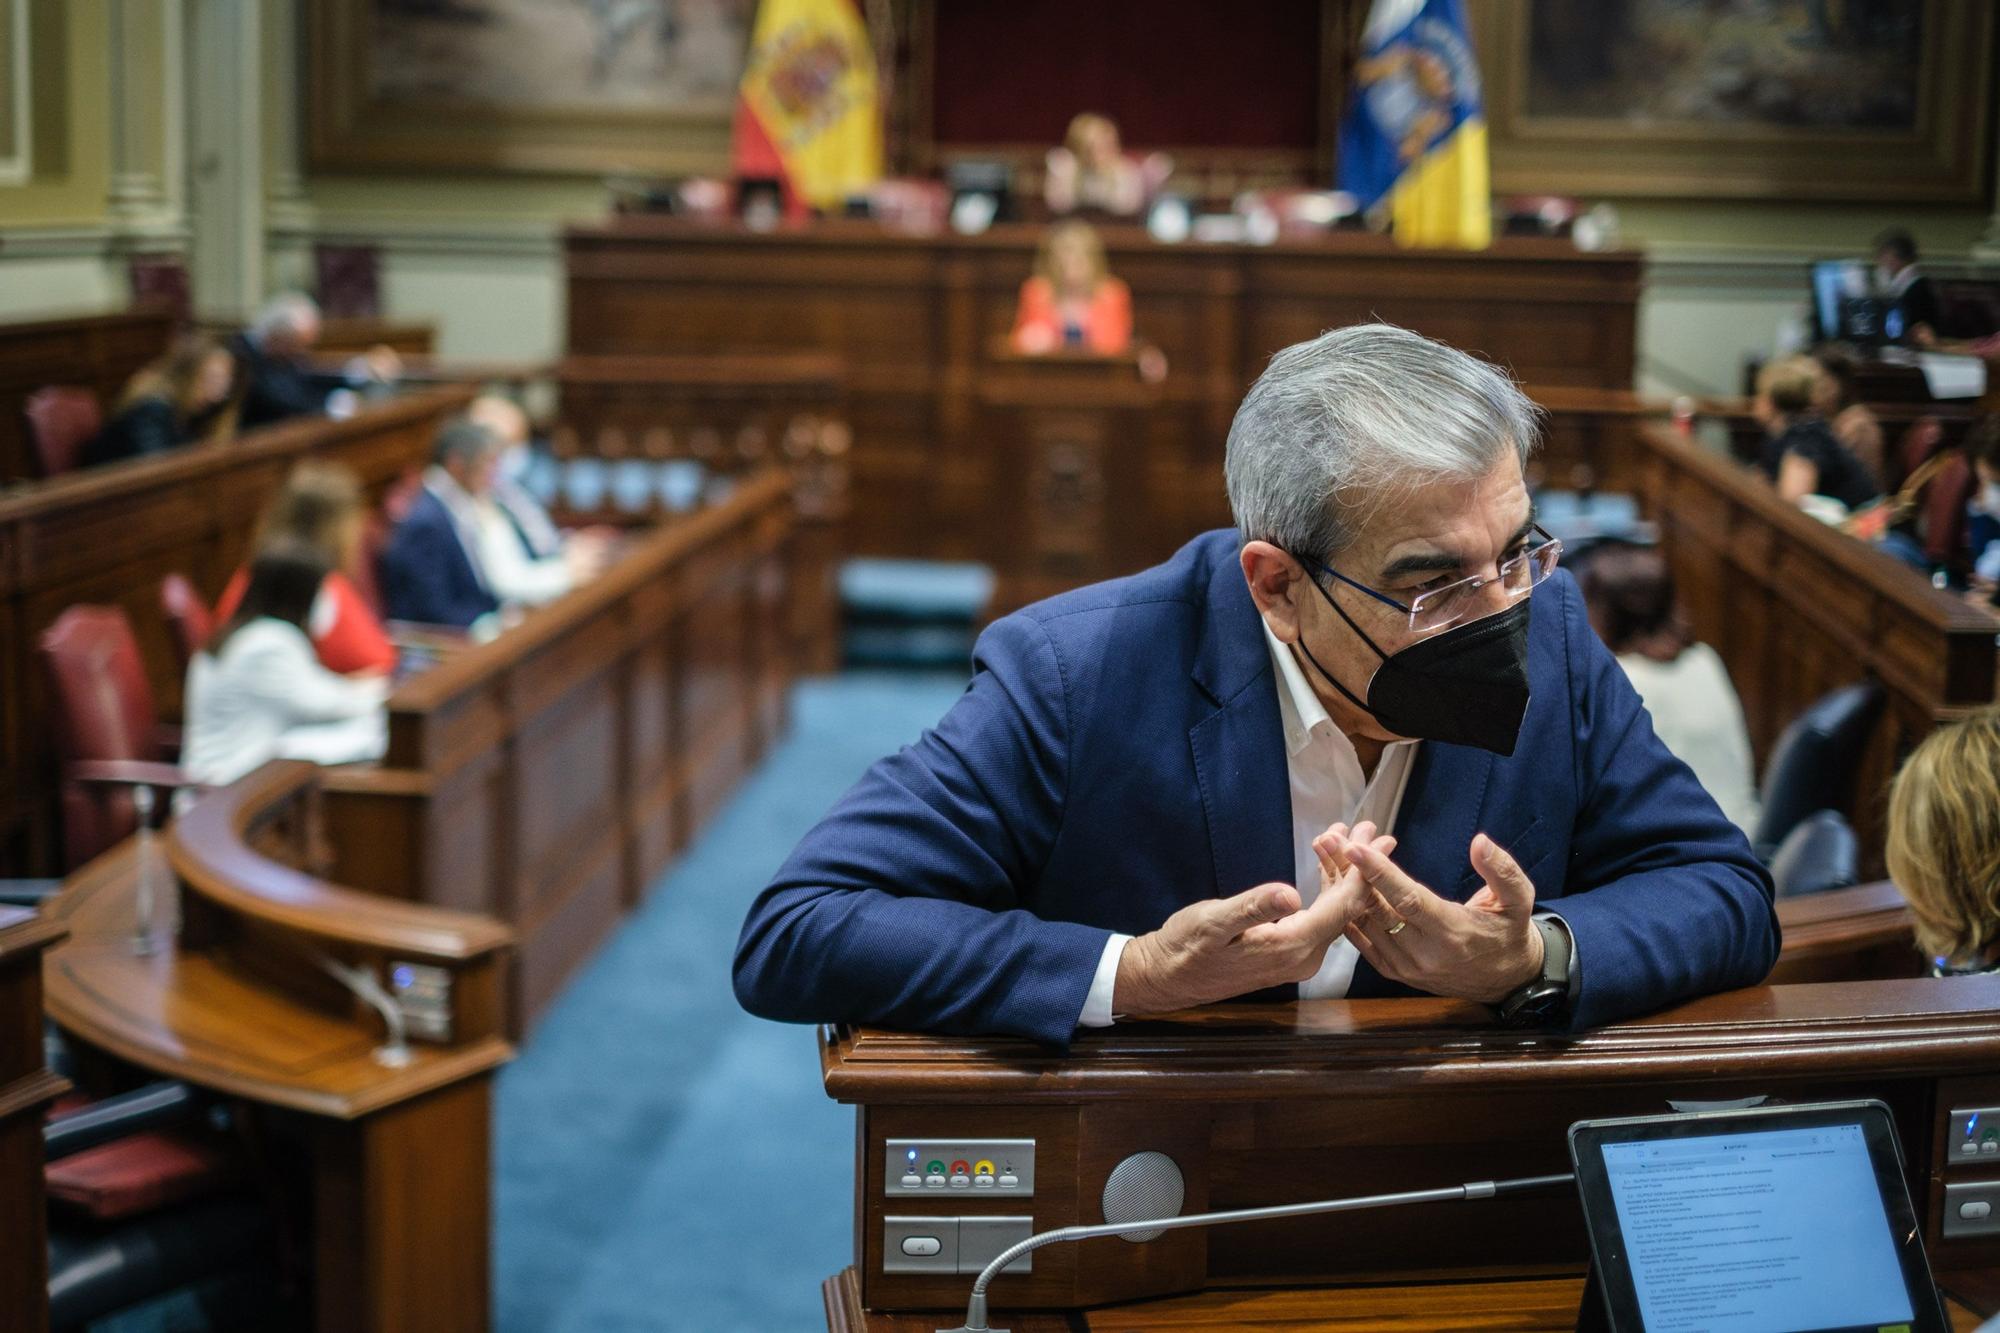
x: 992, y: 1167
x: 1972, y: 1208
x: 1972, y: 1136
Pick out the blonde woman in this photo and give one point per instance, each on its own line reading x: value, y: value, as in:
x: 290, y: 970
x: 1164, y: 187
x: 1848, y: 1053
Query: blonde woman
x: 1801, y: 454
x: 178, y: 400
x: 1944, y: 843
x: 1072, y: 301
x: 1092, y: 171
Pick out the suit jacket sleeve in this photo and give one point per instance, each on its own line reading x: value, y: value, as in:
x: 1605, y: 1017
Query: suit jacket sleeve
x: 1662, y: 894
x: 905, y: 906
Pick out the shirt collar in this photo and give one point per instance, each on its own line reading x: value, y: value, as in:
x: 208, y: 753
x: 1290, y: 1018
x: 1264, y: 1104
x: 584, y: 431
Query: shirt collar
x: 1299, y: 707
x: 1901, y: 282
x: 443, y: 485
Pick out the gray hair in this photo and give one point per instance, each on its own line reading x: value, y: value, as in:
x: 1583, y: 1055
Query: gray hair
x: 287, y: 310
x: 1340, y: 425
x: 463, y: 440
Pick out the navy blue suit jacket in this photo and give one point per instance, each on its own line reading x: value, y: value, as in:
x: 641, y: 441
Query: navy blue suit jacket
x: 1119, y: 755
x: 426, y: 575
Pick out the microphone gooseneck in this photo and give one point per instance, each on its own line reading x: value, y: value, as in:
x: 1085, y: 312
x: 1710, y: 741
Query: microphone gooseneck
x: 975, y: 1306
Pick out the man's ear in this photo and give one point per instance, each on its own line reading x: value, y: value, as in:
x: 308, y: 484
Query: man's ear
x: 1275, y: 581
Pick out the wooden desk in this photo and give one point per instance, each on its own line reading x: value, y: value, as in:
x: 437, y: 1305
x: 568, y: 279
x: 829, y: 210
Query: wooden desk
x: 1518, y: 1305
x: 378, y: 1176
x: 1863, y: 933
x: 99, y: 352
x: 109, y: 535
x: 26, y: 1089
x: 547, y: 777
x: 1796, y: 609
x: 1263, y: 1104
x: 914, y: 320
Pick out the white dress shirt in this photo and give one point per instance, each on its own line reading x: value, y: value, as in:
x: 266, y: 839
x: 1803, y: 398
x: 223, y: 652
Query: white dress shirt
x: 1328, y: 787
x: 1697, y: 715
x: 512, y: 573
x: 266, y: 696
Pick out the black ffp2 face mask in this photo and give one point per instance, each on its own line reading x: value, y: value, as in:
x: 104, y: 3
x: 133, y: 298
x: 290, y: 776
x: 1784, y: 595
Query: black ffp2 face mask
x: 1465, y: 686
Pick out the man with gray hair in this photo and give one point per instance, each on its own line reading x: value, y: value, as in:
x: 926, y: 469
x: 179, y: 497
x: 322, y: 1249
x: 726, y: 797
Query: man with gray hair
x: 274, y: 366
x: 1364, y: 745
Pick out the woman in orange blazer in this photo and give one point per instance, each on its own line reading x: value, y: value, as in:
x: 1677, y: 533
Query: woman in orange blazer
x: 1072, y: 301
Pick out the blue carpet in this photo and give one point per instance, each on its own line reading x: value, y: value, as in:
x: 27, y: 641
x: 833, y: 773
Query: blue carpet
x: 662, y: 1159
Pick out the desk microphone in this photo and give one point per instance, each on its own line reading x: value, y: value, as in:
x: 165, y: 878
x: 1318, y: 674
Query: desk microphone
x: 1160, y: 1219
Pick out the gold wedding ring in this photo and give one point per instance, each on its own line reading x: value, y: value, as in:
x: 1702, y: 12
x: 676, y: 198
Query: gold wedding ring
x: 1398, y: 927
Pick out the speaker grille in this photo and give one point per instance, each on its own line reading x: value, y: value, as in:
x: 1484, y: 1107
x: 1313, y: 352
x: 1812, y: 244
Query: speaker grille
x: 1145, y: 1187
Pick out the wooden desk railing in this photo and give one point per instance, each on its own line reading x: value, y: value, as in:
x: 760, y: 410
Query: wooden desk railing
x: 110, y: 534
x: 396, y: 1156
x: 1796, y: 609
x: 1267, y: 1104
x: 547, y: 777
x: 27, y: 1087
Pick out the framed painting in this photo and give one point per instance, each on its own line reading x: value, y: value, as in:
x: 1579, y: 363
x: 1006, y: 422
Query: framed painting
x: 541, y: 86
x: 1865, y: 100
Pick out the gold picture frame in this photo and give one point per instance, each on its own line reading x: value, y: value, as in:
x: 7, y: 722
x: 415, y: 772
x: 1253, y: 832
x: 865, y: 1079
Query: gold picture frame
x: 353, y: 125
x: 1943, y: 154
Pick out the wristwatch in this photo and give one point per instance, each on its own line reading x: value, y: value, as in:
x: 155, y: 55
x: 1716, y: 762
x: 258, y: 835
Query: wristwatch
x: 1543, y: 1000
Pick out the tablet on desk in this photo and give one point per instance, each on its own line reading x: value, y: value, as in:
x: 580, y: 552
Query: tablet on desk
x: 1785, y: 1219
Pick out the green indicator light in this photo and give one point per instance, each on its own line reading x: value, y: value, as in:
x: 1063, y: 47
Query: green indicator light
x: 935, y: 1168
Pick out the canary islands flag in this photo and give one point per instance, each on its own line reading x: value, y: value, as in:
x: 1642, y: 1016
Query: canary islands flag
x: 1414, y: 133
x: 808, y: 111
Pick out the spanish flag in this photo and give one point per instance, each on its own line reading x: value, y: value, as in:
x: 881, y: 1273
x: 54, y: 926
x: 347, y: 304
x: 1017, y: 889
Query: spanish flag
x: 808, y: 111
x: 1415, y: 133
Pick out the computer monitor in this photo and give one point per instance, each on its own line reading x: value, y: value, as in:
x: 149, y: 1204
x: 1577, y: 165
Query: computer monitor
x: 1845, y: 307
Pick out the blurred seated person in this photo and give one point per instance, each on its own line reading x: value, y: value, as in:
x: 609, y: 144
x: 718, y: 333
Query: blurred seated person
x: 528, y: 559
x: 1982, y: 511
x: 258, y: 692
x: 1800, y: 455
x: 1072, y: 301
x: 178, y: 400
x: 1906, y: 293
x: 432, y: 571
x: 1944, y: 843
x: 1629, y: 594
x: 279, y: 380
x: 1852, y: 422
x: 321, y: 506
x: 1092, y: 171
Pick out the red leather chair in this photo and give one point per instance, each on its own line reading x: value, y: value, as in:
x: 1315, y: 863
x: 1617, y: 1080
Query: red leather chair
x: 61, y: 420
x: 190, y: 621
x: 108, y: 735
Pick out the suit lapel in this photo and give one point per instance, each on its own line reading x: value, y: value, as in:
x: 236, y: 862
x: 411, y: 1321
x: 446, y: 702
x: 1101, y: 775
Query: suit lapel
x: 1439, y: 816
x: 1239, y: 749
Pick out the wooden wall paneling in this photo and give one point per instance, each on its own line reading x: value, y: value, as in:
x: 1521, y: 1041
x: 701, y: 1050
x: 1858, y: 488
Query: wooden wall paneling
x: 403, y: 1212
x: 384, y: 848
x: 646, y: 738
x: 27, y: 1087
x: 915, y: 320
x: 546, y: 777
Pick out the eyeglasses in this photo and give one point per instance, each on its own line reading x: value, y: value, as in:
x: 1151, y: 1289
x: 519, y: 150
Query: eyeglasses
x: 1440, y: 608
